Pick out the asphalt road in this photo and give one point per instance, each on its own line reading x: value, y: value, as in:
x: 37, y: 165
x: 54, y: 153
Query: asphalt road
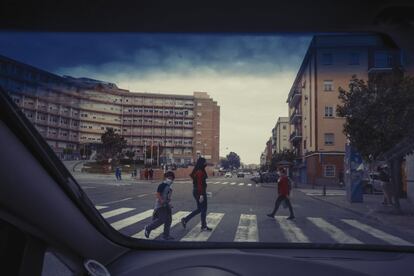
x: 237, y: 211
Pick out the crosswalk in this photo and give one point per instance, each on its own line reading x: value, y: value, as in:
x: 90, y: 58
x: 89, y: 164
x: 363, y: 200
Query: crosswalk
x: 228, y: 183
x: 300, y: 230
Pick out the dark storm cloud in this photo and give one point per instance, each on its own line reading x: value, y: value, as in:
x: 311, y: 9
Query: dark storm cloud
x: 146, y: 53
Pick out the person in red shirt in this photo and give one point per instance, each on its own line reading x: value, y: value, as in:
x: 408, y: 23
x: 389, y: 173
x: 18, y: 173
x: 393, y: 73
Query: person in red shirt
x: 199, y: 176
x: 283, y: 194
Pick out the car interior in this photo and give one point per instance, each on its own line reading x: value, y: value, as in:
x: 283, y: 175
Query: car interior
x: 48, y: 224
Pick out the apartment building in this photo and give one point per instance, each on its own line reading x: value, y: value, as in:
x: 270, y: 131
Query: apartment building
x: 316, y: 131
x: 72, y: 112
x: 280, y: 135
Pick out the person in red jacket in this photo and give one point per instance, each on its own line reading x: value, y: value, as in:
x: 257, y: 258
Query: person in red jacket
x: 199, y: 176
x: 283, y: 191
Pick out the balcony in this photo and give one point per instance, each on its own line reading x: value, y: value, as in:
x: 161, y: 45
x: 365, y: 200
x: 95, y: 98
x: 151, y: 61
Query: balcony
x: 295, y: 98
x: 295, y: 136
x: 296, y: 116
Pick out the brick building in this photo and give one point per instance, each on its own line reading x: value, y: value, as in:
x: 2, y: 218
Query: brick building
x: 316, y: 131
x: 72, y: 112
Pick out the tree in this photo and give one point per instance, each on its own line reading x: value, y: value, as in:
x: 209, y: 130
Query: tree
x: 67, y: 151
x: 112, y: 145
x: 379, y: 113
x: 234, y: 160
x: 130, y: 154
x: 284, y: 155
x: 224, y: 163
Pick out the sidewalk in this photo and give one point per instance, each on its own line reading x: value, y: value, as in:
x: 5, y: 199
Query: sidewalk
x: 372, y: 208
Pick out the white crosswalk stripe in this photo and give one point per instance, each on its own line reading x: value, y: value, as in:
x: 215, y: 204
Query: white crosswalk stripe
x: 116, y: 212
x: 176, y: 218
x: 247, y: 230
x: 250, y: 184
x: 377, y: 233
x: 232, y: 183
x: 118, y: 225
x: 291, y: 232
x: 224, y: 183
x: 241, y: 184
x: 218, y: 182
x: 213, y: 219
x: 333, y: 231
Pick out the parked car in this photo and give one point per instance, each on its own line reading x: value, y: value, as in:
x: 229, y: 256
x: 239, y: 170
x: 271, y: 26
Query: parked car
x: 228, y: 174
x: 372, y: 184
x: 240, y: 174
x: 267, y: 177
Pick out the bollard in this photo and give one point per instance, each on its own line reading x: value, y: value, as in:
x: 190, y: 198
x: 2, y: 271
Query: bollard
x: 324, y: 190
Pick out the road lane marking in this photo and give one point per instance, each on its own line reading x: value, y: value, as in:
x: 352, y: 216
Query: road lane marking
x: 116, y: 201
x: 333, y: 231
x: 247, y: 230
x: 377, y: 233
x: 218, y: 182
x: 118, y: 225
x: 250, y: 184
x: 142, y: 195
x: 224, y: 183
x: 213, y: 219
x: 241, y: 184
x: 176, y: 218
x: 116, y: 212
x: 232, y: 183
x: 291, y: 232
x: 100, y: 207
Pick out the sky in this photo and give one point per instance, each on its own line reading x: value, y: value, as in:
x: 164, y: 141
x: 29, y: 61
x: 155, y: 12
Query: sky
x: 249, y: 75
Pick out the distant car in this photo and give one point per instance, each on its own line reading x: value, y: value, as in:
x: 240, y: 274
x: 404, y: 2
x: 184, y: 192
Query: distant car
x: 247, y: 173
x: 228, y: 174
x: 240, y: 174
x: 372, y: 184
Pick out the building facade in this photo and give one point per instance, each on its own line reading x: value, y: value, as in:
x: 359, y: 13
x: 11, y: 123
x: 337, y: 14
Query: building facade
x: 280, y: 135
x: 316, y: 131
x: 72, y: 112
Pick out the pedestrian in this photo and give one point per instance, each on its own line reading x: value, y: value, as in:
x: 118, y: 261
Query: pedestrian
x: 385, y: 185
x: 151, y: 173
x: 162, y: 209
x: 117, y: 173
x: 199, y: 176
x: 146, y: 173
x: 283, y: 194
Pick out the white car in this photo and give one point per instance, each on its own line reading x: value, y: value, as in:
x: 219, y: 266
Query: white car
x: 228, y: 174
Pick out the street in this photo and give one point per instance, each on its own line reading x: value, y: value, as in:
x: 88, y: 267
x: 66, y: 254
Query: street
x: 237, y: 211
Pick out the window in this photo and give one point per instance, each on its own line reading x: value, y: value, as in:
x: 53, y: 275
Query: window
x: 327, y: 85
x: 327, y: 59
x: 328, y: 111
x: 329, y: 171
x: 354, y: 59
x: 329, y: 139
x: 284, y: 127
x: 383, y: 59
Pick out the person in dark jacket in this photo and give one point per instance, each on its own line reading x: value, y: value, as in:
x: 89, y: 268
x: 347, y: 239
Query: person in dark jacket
x: 283, y: 195
x: 199, y: 176
x: 162, y: 208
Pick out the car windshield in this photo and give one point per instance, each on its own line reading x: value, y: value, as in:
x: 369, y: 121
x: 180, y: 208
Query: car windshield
x: 227, y: 137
